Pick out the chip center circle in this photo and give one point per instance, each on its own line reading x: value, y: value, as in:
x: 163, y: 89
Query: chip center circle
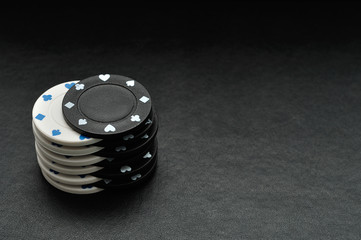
x: 107, y: 103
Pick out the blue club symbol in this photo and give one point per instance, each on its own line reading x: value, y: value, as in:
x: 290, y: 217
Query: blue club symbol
x: 47, y: 97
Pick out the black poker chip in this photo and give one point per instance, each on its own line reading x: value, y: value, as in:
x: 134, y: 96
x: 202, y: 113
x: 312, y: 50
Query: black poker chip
x: 128, y: 167
x: 125, y: 171
x: 106, y: 106
x: 132, y: 138
x: 114, y: 164
x: 132, y: 180
x: 122, y: 151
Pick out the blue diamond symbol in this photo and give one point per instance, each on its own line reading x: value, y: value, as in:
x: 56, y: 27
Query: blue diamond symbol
x: 40, y: 116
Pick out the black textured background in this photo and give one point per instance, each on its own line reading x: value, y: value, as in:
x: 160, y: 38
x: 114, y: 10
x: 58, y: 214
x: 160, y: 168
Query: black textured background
x: 260, y: 120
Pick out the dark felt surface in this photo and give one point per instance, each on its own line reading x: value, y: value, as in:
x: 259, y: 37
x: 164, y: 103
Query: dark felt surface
x: 259, y: 134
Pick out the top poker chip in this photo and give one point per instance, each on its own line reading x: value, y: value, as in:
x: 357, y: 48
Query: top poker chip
x: 48, y: 118
x: 106, y: 106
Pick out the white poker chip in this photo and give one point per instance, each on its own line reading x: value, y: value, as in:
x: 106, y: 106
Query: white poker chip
x: 67, y: 179
x: 49, y: 120
x: 64, y: 150
x: 83, y: 189
x: 68, y: 170
x: 69, y: 160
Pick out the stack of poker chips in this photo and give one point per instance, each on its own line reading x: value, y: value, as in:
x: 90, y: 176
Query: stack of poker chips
x: 95, y: 134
